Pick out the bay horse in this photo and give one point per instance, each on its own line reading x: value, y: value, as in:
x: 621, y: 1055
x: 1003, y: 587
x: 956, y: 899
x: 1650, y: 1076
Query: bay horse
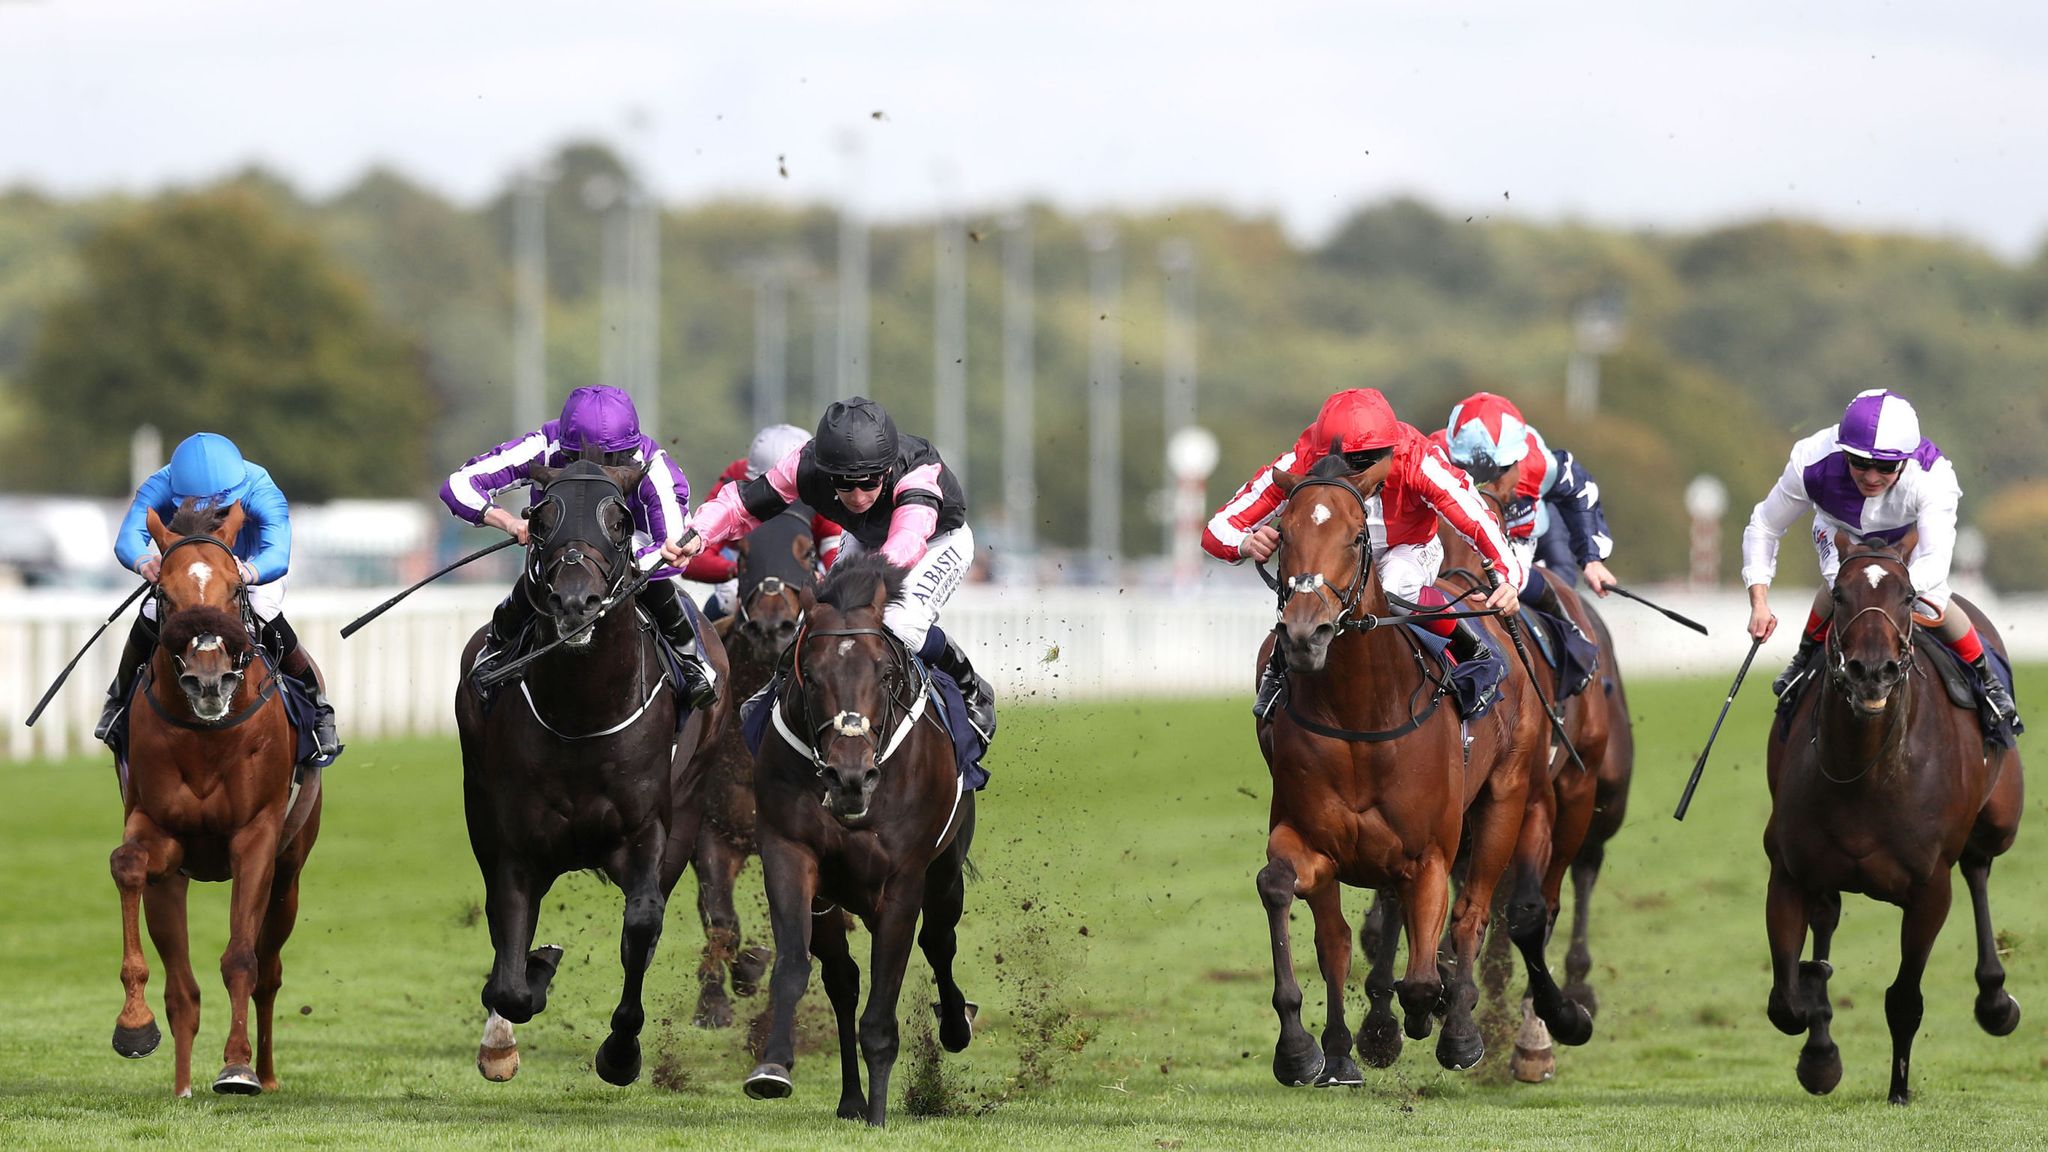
x: 1880, y: 785
x: 209, y: 794
x: 580, y: 762
x: 778, y: 564
x: 1569, y: 822
x: 1379, y: 794
x: 869, y: 818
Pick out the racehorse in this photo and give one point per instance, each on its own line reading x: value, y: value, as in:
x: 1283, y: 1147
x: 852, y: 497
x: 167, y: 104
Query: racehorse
x: 580, y: 762
x: 1569, y: 822
x: 777, y: 566
x: 870, y: 817
x: 209, y: 794
x: 1880, y: 785
x: 1373, y: 787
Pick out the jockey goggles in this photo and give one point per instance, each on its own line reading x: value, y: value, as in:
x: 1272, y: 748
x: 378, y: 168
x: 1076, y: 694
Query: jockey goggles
x: 866, y: 483
x: 1866, y: 464
x: 1361, y: 459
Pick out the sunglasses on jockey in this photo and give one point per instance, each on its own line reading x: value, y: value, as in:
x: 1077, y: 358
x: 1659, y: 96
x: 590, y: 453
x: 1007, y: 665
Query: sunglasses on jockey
x: 866, y: 483
x: 1482, y: 468
x: 1363, y: 458
x: 1866, y: 464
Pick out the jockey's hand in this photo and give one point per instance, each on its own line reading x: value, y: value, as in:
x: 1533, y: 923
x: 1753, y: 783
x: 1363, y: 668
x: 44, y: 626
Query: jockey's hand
x: 1505, y: 597
x: 247, y: 571
x: 1762, y: 621
x: 1260, y: 543
x: 506, y: 522
x: 1598, y: 578
x: 682, y: 550
x: 150, y: 568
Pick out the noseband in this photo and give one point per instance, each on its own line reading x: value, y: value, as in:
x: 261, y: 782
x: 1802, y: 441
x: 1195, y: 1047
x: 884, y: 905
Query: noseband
x: 1347, y: 601
x: 853, y: 725
x: 241, y: 659
x: 1838, y: 661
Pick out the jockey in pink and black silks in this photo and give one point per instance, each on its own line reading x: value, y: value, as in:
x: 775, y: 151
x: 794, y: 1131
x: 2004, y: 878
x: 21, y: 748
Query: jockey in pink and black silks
x: 1409, y: 484
x: 208, y: 469
x: 603, y: 418
x: 889, y: 493
x: 1872, y: 475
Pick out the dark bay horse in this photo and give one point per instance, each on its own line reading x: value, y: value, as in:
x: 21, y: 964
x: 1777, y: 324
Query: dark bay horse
x: 578, y: 763
x: 778, y: 565
x: 870, y: 818
x: 1382, y: 798
x: 1880, y: 785
x: 209, y: 795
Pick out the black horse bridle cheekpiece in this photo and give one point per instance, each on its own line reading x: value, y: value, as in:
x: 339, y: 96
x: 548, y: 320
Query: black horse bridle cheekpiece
x: 580, y: 495
x: 905, y: 713
x: 1347, y: 602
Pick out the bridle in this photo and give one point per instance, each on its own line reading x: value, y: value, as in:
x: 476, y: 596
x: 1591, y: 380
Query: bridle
x: 238, y: 664
x: 899, y: 716
x: 1838, y: 667
x: 544, y: 568
x: 241, y: 659
x: 769, y: 586
x: 1346, y: 601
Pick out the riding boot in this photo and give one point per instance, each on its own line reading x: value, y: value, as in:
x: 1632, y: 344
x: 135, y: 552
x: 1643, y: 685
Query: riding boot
x: 665, y: 606
x: 1547, y: 598
x: 1800, y: 659
x: 140, y: 640
x: 1272, y: 679
x: 1468, y: 643
x: 297, y: 663
x: 943, y: 653
x: 1995, y: 695
x: 508, y: 621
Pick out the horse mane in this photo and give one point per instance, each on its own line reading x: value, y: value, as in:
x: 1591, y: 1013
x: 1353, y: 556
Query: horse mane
x: 180, y: 629
x: 196, y: 517
x: 1331, y: 467
x: 853, y: 582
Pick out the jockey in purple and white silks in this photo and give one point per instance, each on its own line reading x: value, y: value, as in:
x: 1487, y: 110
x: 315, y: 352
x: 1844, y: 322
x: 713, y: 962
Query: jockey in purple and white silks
x: 893, y: 495
x: 603, y: 417
x: 1873, y: 475
x: 207, y: 467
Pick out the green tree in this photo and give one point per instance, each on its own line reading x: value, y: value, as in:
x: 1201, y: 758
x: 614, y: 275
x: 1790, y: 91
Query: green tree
x: 204, y: 311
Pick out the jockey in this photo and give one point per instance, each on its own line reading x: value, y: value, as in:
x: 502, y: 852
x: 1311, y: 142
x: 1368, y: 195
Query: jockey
x: 1871, y: 475
x: 1409, y: 484
x: 1488, y: 438
x: 604, y: 417
x: 770, y: 445
x: 893, y: 495
x: 207, y: 467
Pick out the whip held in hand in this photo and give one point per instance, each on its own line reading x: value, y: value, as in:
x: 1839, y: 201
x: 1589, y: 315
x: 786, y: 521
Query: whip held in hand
x: 1689, y: 622
x: 97, y: 632
x: 1685, y: 801
x: 1556, y: 722
x: 350, y: 629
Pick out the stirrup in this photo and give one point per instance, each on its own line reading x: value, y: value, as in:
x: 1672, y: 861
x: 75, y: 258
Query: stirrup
x: 699, y: 690
x: 1268, y: 698
x: 109, y: 717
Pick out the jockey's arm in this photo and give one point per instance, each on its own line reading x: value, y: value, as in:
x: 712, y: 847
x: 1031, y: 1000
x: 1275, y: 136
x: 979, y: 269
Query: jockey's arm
x: 665, y: 496
x: 737, y: 509
x: 133, y: 545
x: 1574, y: 498
x: 1772, y: 517
x: 1239, y: 528
x: 265, y: 504
x: 1450, y: 492
x: 1935, y: 546
x: 468, y: 490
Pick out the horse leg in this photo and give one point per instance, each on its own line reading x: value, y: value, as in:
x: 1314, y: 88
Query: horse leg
x: 517, y: 987
x: 1926, y: 909
x: 1333, y: 954
x: 717, y: 867
x: 144, y: 854
x: 791, y: 875
x: 895, y: 924
x: 278, y: 922
x: 1426, y: 899
x: 618, y: 1058
x: 1799, y: 990
x: 1997, y: 1011
x: 164, y: 904
x: 1379, y: 1036
x: 945, y: 897
x: 1296, y: 1059
x: 1578, y: 959
x: 1524, y: 910
x: 842, y: 987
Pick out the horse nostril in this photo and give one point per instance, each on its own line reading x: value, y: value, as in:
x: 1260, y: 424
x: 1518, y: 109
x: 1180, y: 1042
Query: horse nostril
x: 1856, y: 669
x: 189, y: 683
x: 868, y: 778
x: 1891, y: 670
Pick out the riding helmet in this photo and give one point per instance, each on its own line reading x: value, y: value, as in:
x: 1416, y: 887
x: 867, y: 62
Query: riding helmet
x: 1486, y: 434
x: 206, y: 464
x: 856, y: 438
x: 599, y: 415
x: 1879, y: 425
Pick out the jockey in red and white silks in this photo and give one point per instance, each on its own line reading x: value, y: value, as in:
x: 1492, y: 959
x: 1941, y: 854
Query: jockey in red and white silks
x: 1553, y: 509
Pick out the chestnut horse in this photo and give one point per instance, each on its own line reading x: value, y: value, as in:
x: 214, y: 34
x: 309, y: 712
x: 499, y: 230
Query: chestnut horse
x: 869, y: 817
x: 1880, y: 785
x: 209, y: 795
x: 778, y: 564
x: 579, y: 763
x: 1378, y: 794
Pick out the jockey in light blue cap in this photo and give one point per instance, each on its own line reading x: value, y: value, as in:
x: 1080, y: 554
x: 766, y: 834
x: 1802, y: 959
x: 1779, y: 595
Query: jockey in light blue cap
x: 208, y: 469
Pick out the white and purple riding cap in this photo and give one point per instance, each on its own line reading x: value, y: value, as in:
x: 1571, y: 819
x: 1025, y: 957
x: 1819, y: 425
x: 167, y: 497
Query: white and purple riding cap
x: 1879, y: 425
x: 602, y: 416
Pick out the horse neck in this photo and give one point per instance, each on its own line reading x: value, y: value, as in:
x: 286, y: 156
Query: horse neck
x: 598, y: 679
x: 1369, y: 676
x: 1870, y: 748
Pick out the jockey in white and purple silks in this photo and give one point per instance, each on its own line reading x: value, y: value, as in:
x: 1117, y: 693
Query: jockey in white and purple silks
x: 603, y: 417
x: 207, y: 468
x: 891, y: 494
x: 1873, y: 475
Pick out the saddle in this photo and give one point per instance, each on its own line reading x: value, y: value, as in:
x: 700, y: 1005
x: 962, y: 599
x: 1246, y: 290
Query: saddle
x: 1958, y: 682
x: 1568, y: 651
x: 1473, y: 688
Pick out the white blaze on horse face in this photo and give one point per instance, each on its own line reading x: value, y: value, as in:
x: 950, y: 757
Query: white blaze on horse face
x: 845, y: 646
x: 201, y: 572
x: 1321, y: 515
x: 1874, y: 574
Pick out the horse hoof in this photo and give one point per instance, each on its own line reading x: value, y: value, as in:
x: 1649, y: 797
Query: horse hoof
x: 1820, y: 1069
x: 1783, y: 1017
x: 1458, y: 1053
x: 1901, y: 1098
x: 713, y: 1009
x: 135, y: 1043
x: 540, y: 972
x: 1417, y: 1025
x: 1340, y: 1073
x: 1999, y: 1017
x: 853, y: 1108
x: 1297, y: 1065
x: 618, y: 1059
x: 1573, y: 1026
x: 770, y: 1082
x: 237, y: 1080
x: 1533, y: 1066
x: 957, y: 1033
x: 1379, y: 1041
x: 1582, y: 995
x: 748, y: 968
x: 497, y: 1064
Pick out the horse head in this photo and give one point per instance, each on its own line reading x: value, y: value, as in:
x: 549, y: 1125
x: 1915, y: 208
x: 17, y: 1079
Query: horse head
x: 199, y: 602
x: 1326, y: 563
x: 850, y: 673
x: 579, y: 546
x: 1870, y: 642
x: 777, y: 567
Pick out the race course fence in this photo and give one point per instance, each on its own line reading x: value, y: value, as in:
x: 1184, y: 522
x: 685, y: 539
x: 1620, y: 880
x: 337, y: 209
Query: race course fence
x: 397, y: 677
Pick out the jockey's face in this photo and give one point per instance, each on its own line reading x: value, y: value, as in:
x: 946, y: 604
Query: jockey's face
x: 858, y: 494
x: 1869, y: 481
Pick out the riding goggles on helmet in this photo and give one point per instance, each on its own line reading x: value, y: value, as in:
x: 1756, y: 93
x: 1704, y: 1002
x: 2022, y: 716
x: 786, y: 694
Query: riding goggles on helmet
x: 864, y: 483
x: 1866, y: 464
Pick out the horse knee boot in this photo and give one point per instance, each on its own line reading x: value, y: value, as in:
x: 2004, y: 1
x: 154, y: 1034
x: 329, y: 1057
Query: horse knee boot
x: 665, y: 606
x: 140, y: 640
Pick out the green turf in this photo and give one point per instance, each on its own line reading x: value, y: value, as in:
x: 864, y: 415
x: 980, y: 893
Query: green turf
x: 1115, y: 943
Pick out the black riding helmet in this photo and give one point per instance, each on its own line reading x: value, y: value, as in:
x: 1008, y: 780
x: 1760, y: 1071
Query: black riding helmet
x: 856, y: 438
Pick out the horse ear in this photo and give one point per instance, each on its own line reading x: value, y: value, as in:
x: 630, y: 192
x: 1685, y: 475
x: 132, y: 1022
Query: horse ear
x: 881, y: 595
x: 806, y: 600
x: 1285, y: 481
x: 542, y: 475
x: 231, y: 524
x: 158, y: 532
x: 626, y: 476
x: 592, y: 453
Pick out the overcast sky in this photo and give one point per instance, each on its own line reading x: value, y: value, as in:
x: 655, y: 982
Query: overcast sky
x: 1923, y: 116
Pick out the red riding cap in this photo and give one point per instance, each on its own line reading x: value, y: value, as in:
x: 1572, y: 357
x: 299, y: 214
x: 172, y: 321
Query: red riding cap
x: 1356, y: 418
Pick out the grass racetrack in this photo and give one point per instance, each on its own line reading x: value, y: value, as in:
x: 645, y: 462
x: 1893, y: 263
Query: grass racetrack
x: 1114, y: 941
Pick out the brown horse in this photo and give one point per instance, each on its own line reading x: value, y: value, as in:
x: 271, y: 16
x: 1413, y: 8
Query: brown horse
x: 777, y: 566
x: 869, y: 817
x: 209, y: 795
x: 1880, y: 785
x: 1386, y: 807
